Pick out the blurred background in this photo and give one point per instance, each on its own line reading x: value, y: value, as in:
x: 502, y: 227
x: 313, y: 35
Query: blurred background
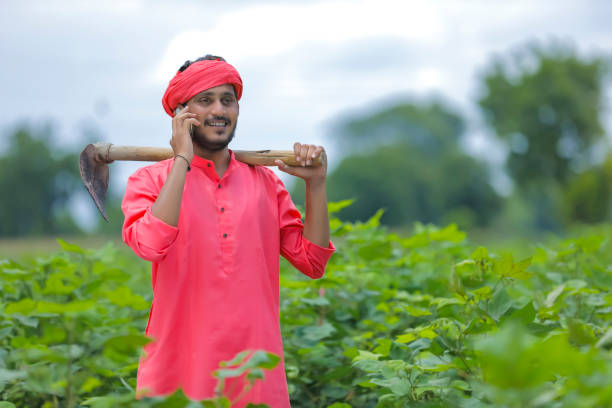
x: 496, y: 117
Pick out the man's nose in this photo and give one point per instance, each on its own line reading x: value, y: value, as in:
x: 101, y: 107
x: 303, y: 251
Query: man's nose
x: 218, y: 108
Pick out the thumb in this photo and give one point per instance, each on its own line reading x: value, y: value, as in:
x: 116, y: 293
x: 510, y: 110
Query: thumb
x: 285, y: 168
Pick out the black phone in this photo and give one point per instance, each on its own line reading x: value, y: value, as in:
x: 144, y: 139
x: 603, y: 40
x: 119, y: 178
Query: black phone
x: 176, y: 112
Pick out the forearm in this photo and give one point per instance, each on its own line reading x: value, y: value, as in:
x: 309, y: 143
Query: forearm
x: 167, y: 207
x: 316, y: 223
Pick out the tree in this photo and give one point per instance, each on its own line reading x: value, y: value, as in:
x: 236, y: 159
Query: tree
x: 545, y: 103
x: 587, y: 197
x: 406, y: 159
x: 36, y: 181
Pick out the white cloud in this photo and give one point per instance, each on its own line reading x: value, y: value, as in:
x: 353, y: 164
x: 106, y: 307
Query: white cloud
x: 267, y: 30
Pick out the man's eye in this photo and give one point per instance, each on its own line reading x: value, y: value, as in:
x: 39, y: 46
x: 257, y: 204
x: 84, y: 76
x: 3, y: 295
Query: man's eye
x: 205, y: 100
x: 227, y: 101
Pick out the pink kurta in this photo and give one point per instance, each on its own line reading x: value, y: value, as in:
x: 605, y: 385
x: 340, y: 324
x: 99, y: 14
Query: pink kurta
x: 215, y: 276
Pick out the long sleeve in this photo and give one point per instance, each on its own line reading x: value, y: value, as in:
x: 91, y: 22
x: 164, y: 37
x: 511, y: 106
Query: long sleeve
x: 307, y: 257
x: 148, y: 236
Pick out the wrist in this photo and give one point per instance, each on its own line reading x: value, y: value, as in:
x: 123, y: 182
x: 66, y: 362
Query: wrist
x: 183, y: 159
x: 315, y: 184
x: 185, y: 154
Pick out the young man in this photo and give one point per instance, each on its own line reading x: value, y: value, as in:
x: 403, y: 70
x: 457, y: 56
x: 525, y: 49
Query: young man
x: 213, y: 228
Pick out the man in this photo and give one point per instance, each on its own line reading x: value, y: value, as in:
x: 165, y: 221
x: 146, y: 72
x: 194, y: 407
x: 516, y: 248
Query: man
x: 213, y: 228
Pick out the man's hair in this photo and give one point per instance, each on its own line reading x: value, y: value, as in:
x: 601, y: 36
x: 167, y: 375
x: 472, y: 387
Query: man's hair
x: 208, y: 57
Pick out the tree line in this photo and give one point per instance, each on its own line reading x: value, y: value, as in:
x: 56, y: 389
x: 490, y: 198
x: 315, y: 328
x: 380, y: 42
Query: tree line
x: 543, y: 103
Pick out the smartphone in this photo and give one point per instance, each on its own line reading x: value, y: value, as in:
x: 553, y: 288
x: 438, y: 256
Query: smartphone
x: 176, y: 112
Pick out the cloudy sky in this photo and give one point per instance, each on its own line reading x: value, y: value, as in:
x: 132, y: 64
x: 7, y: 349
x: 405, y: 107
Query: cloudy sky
x: 102, y: 66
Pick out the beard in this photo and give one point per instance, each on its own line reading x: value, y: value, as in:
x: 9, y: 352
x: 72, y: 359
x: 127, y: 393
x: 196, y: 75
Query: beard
x: 199, y: 138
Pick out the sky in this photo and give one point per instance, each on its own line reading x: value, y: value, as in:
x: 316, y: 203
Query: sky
x: 99, y: 68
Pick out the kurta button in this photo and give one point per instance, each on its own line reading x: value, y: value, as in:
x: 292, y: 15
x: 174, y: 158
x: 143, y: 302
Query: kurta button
x: 224, y: 235
x: 219, y: 186
x: 222, y: 209
x: 208, y: 164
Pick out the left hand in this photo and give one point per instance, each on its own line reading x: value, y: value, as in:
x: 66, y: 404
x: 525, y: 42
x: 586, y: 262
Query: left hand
x: 304, y: 154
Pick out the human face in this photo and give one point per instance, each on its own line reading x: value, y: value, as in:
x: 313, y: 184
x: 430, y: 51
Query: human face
x: 217, y: 110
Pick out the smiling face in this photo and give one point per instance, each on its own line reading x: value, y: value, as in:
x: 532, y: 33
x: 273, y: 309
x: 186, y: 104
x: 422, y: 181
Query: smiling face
x: 217, y: 110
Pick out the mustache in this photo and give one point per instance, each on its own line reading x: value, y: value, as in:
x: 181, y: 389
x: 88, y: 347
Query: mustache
x: 217, y: 118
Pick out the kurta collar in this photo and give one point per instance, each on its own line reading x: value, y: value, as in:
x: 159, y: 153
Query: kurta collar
x: 209, y: 166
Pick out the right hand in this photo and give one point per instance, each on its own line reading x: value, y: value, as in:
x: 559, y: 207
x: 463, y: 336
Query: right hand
x: 181, y: 138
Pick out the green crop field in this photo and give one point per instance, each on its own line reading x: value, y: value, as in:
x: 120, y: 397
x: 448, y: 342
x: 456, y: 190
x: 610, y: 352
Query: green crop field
x: 427, y: 320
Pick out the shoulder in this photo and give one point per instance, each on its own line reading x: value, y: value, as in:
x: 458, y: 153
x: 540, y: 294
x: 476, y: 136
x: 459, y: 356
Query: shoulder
x: 268, y: 176
x: 152, y: 172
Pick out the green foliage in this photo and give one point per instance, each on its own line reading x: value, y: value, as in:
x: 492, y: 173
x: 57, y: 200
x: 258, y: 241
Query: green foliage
x: 431, y: 321
x: 588, y: 196
x: 71, y: 333
x: 431, y: 128
x: 36, y: 182
x: 546, y: 103
x: 407, y: 160
x: 425, y: 320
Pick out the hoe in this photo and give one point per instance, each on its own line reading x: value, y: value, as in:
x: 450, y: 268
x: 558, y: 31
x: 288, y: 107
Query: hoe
x: 94, y: 160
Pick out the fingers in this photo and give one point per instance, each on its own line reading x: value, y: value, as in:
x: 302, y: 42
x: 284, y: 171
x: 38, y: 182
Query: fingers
x: 181, y: 136
x: 183, y: 120
x: 304, y: 154
x: 283, y: 167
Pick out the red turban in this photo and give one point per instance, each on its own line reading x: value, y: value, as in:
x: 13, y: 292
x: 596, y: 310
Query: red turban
x: 198, y: 77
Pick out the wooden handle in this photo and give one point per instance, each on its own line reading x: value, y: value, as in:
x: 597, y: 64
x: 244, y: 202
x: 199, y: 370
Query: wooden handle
x: 139, y: 153
x: 267, y: 157
x: 106, y: 153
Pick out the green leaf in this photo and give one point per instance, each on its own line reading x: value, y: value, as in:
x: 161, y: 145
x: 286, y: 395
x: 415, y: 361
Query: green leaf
x: 417, y: 312
x: 238, y: 359
x: 317, y: 333
x: 337, y: 373
x: 480, y: 254
x: 76, y: 306
x: 374, y: 221
x: 500, y: 304
x: 351, y: 352
x: 483, y: 292
x: 70, y: 247
x: 334, y: 207
x: 451, y: 234
x: 406, y: 338
x: 255, y: 374
x: 118, y: 347
x: 506, y: 268
x: 398, y: 386
x: 526, y: 314
x: 24, y: 306
x: 366, y: 355
x: 263, y: 359
x: 384, y: 347
x: 579, y: 333
x: 258, y: 360
x: 339, y: 405
x: 590, y: 244
x: 443, y: 302
x: 317, y: 301
x: 606, y: 340
x: 553, y: 295
x: 427, y: 333
x: 124, y: 297
x: 90, y: 384
x: 10, y: 375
